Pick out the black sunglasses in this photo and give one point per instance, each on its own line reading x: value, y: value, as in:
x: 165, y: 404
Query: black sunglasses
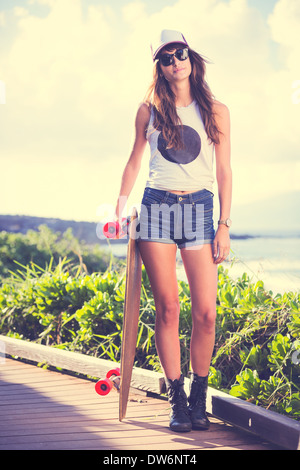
x: 168, y: 59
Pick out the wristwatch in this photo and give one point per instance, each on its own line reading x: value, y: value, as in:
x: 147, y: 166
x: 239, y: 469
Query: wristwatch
x: 226, y: 222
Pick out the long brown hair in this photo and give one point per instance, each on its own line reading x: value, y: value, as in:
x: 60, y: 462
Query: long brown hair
x: 162, y: 99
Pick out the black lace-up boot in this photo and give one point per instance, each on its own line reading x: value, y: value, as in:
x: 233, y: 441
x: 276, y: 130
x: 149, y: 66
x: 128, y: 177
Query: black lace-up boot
x: 197, y: 402
x: 179, y: 417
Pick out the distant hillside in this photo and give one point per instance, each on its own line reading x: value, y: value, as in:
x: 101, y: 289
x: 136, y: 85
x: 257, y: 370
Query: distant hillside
x: 85, y: 231
x: 276, y: 215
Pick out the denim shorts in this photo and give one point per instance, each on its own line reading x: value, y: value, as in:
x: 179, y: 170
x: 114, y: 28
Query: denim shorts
x: 185, y: 220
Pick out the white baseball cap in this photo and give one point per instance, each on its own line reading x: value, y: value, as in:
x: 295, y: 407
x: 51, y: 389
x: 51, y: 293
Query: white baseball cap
x: 167, y: 36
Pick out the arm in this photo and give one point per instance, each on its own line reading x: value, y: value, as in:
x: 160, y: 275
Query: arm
x: 133, y: 165
x: 224, y: 180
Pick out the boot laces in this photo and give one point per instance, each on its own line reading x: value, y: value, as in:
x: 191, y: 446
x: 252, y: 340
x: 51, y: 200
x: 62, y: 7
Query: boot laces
x: 197, y: 395
x: 178, y: 401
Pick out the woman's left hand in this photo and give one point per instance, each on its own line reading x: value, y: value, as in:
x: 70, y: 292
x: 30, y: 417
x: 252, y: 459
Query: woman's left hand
x: 221, y: 245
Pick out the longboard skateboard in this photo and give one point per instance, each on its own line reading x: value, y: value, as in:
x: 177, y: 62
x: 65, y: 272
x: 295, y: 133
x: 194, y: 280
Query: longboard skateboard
x: 121, y: 378
x: 130, y: 315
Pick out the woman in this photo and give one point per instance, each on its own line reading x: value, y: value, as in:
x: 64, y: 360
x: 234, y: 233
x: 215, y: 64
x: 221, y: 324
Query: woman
x: 185, y: 127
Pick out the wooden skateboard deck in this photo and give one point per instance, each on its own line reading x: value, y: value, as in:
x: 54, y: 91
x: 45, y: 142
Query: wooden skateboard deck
x: 131, y: 315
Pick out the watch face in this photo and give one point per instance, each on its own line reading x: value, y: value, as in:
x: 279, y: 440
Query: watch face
x: 228, y: 222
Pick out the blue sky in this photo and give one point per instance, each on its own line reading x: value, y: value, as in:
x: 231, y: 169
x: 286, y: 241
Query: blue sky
x: 75, y: 72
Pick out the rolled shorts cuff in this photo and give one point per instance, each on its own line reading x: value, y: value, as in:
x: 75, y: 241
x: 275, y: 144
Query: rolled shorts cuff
x: 187, y: 244
x: 195, y: 244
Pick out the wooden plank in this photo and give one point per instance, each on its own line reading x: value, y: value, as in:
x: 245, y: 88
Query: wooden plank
x: 142, y: 438
x: 141, y: 378
x: 86, y: 421
x: 267, y: 424
x: 115, y: 430
x: 278, y: 429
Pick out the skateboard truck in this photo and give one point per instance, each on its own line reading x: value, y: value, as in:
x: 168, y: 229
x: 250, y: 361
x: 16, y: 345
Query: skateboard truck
x: 112, y: 380
x: 116, y: 230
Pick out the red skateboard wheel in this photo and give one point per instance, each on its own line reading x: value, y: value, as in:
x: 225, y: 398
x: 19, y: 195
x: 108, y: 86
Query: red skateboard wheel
x: 103, y: 386
x: 115, y: 230
x: 111, y: 372
x: 110, y: 229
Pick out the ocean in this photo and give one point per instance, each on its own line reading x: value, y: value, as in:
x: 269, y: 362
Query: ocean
x: 273, y: 259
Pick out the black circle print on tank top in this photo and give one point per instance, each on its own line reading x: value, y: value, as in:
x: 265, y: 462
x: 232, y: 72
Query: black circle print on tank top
x: 190, y: 151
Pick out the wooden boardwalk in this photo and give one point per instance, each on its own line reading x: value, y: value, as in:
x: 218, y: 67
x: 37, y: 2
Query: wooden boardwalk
x: 47, y: 410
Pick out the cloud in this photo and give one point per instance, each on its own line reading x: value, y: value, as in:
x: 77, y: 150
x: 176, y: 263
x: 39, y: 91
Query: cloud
x: 284, y: 23
x: 75, y: 77
x: 62, y: 78
x: 2, y: 19
x: 51, y: 50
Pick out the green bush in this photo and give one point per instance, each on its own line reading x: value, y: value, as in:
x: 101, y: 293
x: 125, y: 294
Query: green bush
x: 42, y: 245
x: 257, y: 333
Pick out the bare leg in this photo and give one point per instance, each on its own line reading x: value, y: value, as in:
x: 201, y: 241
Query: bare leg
x: 202, y: 277
x: 160, y: 263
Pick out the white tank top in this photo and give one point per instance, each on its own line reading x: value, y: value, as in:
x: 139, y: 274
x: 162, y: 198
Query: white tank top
x: 187, y: 169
